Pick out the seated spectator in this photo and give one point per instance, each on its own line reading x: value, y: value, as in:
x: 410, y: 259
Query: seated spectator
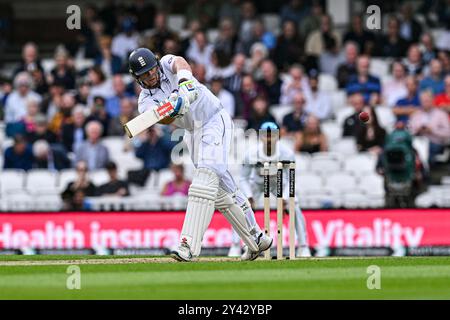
x: 315, y: 42
x: 100, y: 85
x: 28, y: 122
x: 72, y: 134
x: 364, y: 83
x: 200, y: 50
x: 259, y: 35
x: 413, y: 61
x: 289, y: 49
x: 5, y: 91
x: 219, y: 66
x: 225, y: 97
x: 435, y: 81
x: 179, y: 185
x: 312, y: 21
x: 330, y: 58
x: 392, y: 44
x: 92, y: 150
x: 258, y: 53
x: 53, y: 99
x: 352, y: 125
x: 154, y: 149
x: 365, y: 40
x: 318, y: 102
x: 127, y: 112
x: 410, y: 28
x: 347, y: 68
x: 295, y: 121
x: 247, y: 95
x: 442, y: 100
x: 113, y: 103
x: 311, y: 139
x: 370, y: 137
x: 41, y: 131
x: 271, y: 82
x: 444, y: 58
x: 98, y: 113
x: 409, y: 104
x: 16, y: 103
x: 248, y: 19
x: 227, y: 39
x: 71, y: 194
x: 259, y: 114
x: 159, y: 36
x: 51, y: 158
x: 432, y: 123
x: 294, y: 10
x: 395, y: 89
x: 63, y: 115
x: 429, y: 51
x: 297, y: 83
x: 30, y: 59
x: 233, y: 83
x: 18, y: 156
x: 63, y: 72
x: 114, y: 187
x: 126, y: 41
x: 110, y: 63
x: 83, y: 93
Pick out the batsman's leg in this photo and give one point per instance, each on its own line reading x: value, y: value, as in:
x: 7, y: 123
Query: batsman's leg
x: 302, y: 233
x: 199, y: 212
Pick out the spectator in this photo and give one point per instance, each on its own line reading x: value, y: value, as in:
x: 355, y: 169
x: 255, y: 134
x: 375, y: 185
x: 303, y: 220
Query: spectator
x: 442, y: 100
x: 316, y: 41
x: 71, y: 194
x: 219, y: 66
x: 365, y: 40
x: 83, y: 93
x: 30, y: 59
x: 444, y: 58
x: 330, y: 58
x: 127, y: 112
x: 92, y: 150
x: 46, y: 157
x: 233, y: 83
x: 64, y: 114
x: 98, y: 113
x: 230, y: 10
x: 427, y: 48
x: 225, y: 97
x: 72, y: 134
x: 365, y: 83
x: 371, y: 136
x: 248, y: 20
x: 311, y: 139
x: 271, y: 82
x: 413, y: 61
x: 395, y: 89
x: 100, y: 85
x: 16, y: 104
x: 113, y: 103
x: 114, y: 187
x: 312, y: 21
x: 29, y: 120
x: 410, y: 28
x: 179, y: 185
x: 63, y: 72
x: 109, y: 63
x: 295, y: 121
x: 259, y: 35
x: 154, y: 149
x: 409, y: 104
x: 434, y: 81
x: 352, y: 125
x: 41, y: 131
x: 259, y: 114
x: 227, y: 38
x: 247, y: 95
x: 5, y: 91
x: 200, y: 50
x: 392, y: 44
x: 432, y: 123
x: 318, y: 102
x: 296, y: 83
x: 294, y: 10
x: 160, y: 35
x: 258, y: 53
x: 347, y: 69
x: 126, y: 41
x: 53, y: 99
x: 18, y: 156
x: 289, y: 48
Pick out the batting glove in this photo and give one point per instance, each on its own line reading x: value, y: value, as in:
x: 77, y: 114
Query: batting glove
x: 188, y: 89
x: 180, y: 105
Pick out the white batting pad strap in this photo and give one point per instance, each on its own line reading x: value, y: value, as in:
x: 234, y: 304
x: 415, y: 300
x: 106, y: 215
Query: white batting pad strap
x: 235, y: 215
x: 200, y: 208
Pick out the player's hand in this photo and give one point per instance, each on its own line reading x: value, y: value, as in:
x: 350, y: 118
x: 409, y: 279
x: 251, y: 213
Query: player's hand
x: 180, y: 105
x: 188, y: 89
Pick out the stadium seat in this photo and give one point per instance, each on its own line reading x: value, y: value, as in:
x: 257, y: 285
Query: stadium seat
x: 355, y: 199
x: 41, y: 182
x: 338, y: 100
x: 308, y: 183
x: 115, y: 145
x: 47, y: 202
x: 12, y: 180
x: 327, y: 82
x: 372, y: 184
x: 345, y: 146
x: 379, y: 67
x: 165, y: 176
x: 19, y: 202
x: 332, y: 130
x: 65, y: 177
x: 360, y: 164
x: 302, y: 162
x: 324, y: 166
x: 176, y: 22
x: 339, y: 183
x: 343, y: 114
x: 278, y: 111
x: 99, y: 177
x: 212, y: 35
x: 386, y: 118
x: 289, y: 142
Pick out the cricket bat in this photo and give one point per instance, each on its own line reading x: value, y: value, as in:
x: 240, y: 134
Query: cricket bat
x: 148, y: 118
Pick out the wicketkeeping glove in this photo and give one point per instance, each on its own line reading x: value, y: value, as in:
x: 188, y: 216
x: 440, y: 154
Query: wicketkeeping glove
x: 180, y: 105
x: 188, y: 89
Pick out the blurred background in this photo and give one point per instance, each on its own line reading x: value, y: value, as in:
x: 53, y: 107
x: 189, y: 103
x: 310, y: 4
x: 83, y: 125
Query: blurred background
x: 311, y: 66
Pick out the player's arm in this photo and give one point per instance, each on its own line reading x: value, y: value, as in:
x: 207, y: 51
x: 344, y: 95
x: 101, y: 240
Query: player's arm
x: 186, y: 83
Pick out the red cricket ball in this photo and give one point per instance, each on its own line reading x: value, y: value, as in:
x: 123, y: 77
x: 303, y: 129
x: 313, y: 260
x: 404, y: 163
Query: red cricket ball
x: 364, y: 116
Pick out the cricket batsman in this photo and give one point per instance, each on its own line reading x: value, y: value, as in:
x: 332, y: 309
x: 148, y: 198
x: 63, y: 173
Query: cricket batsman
x: 252, y: 183
x: 209, y: 129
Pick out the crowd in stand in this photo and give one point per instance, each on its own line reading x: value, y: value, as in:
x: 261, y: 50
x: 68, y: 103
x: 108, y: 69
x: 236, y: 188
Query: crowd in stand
x: 58, y: 118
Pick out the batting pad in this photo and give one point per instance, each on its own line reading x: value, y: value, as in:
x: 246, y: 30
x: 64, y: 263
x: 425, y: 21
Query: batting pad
x: 235, y: 215
x: 200, y: 208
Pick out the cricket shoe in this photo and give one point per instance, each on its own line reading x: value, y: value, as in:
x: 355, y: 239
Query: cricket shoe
x: 303, y: 251
x: 235, y: 250
x: 264, y: 243
x: 182, y: 253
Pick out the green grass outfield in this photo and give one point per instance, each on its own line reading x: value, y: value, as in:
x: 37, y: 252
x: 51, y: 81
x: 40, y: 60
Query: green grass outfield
x: 159, y: 278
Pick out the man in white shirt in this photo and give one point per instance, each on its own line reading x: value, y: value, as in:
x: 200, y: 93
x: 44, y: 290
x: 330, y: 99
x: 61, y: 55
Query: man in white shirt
x: 126, y: 41
x: 225, y: 97
x: 199, y: 49
x: 317, y: 102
